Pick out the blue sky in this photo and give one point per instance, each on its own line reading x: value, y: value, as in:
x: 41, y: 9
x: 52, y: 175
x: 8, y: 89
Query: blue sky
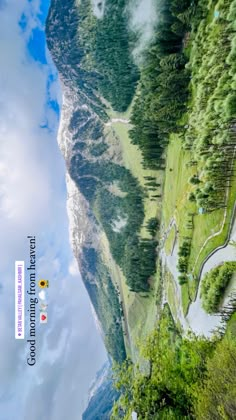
x: 33, y: 202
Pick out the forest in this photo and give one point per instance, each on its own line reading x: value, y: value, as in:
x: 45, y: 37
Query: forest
x: 135, y: 255
x: 187, y: 92
x: 184, y: 60
x: 107, y: 52
x: 163, y: 87
x: 210, y: 132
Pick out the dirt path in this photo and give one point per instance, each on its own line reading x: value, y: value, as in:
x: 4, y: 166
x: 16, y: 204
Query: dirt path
x: 117, y: 120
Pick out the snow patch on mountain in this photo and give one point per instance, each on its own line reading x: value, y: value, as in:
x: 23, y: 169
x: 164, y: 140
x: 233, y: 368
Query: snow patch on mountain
x: 75, y: 215
x: 64, y: 137
x: 82, y: 229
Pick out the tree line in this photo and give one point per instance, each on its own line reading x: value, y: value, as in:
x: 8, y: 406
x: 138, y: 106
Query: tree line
x: 162, y: 92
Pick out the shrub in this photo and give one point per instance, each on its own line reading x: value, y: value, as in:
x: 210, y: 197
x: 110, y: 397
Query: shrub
x: 185, y: 248
x: 194, y: 180
x: 182, y: 279
x: 192, y: 197
x: 183, y: 264
x: 214, y: 284
x: 152, y: 226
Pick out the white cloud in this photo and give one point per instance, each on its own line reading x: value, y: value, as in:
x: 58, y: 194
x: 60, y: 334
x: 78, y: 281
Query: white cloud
x: 53, y: 91
x: 32, y: 202
x: 42, y: 295
x: 73, y: 268
x: 142, y: 19
x: 26, y: 151
x: 98, y: 8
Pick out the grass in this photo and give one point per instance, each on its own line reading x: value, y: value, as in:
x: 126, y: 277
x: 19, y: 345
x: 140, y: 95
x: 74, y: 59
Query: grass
x: 220, y: 239
x: 211, y: 46
x: 132, y: 159
x: 177, y: 205
x: 142, y: 313
x: 231, y: 327
x: 124, y: 115
x: 116, y: 277
x: 176, y: 189
x: 186, y: 296
x: 172, y: 297
x: 141, y: 309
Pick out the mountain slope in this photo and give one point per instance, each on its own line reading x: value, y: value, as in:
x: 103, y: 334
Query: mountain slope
x: 103, y: 196
x: 102, y: 396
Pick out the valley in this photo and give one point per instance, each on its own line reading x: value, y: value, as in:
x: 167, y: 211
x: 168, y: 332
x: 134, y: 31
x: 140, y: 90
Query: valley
x: 150, y: 154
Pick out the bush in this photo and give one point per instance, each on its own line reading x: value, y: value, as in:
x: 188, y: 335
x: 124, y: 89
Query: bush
x: 214, y: 284
x: 182, y: 279
x: 194, y: 180
x: 185, y: 248
x: 152, y: 226
x: 183, y: 264
x: 192, y: 197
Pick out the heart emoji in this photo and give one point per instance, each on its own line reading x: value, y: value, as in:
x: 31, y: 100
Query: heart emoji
x: 42, y: 295
x: 43, y: 318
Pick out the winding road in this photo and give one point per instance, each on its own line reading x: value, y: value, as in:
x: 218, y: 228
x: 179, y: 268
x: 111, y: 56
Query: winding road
x: 197, y: 319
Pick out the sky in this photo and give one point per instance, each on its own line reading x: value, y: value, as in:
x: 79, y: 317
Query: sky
x: 33, y: 202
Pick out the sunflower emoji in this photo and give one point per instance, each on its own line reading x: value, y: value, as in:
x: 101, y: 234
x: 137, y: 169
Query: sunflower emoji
x: 43, y: 283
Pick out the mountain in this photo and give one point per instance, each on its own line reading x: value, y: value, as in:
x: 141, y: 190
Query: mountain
x: 100, y: 377
x: 102, y: 396
x: 105, y: 201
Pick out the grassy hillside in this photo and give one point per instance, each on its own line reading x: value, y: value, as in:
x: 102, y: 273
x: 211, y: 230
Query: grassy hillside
x: 191, y: 184
x: 141, y: 309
